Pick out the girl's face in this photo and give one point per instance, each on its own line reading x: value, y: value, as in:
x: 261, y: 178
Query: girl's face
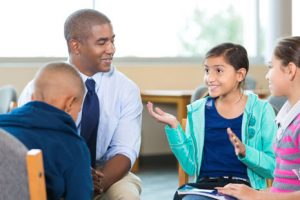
x: 277, y: 77
x: 221, y: 78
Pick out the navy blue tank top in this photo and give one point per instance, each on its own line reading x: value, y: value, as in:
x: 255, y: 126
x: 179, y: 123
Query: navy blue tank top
x: 219, y: 157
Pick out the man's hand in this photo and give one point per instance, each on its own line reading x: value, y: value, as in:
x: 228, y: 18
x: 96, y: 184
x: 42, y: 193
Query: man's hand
x: 98, y: 178
x: 113, y: 170
x: 239, y: 147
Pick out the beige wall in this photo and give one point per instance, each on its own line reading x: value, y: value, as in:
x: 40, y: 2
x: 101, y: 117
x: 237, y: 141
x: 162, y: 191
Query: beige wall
x: 16, y: 76
x: 180, y: 76
x: 167, y: 76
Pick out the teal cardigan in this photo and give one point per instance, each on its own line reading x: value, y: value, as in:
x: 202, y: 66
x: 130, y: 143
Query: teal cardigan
x: 258, y: 133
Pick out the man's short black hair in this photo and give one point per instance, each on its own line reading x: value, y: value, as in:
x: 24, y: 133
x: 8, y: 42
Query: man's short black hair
x: 78, y: 24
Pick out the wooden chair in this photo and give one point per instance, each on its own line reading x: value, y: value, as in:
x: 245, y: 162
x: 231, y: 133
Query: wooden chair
x: 183, y: 177
x: 36, y: 176
x: 22, y: 171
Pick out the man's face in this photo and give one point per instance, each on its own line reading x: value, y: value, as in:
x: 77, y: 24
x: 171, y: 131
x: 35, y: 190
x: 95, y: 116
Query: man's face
x: 96, y: 52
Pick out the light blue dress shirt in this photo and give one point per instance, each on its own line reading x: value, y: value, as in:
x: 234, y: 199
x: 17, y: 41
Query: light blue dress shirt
x: 119, y: 130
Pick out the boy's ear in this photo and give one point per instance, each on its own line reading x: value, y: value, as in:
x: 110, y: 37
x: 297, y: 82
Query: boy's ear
x: 32, y: 97
x: 74, y: 46
x: 69, y: 103
x: 36, y: 96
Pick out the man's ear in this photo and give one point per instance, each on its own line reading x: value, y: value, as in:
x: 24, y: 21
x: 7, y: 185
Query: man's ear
x: 74, y: 46
x: 241, y: 74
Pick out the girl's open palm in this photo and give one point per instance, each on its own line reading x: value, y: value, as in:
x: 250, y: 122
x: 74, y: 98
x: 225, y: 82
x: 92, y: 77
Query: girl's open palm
x: 239, y: 147
x: 162, y: 116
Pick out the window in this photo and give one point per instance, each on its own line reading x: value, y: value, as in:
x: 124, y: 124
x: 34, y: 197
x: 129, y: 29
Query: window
x: 34, y: 28
x: 171, y: 28
x: 168, y: 28
x: 295, y: 17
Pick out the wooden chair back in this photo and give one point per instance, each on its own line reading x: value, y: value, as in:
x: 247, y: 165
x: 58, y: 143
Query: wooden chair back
x: 182, y: 175
x: 22, y: 171
x: 36, y: 176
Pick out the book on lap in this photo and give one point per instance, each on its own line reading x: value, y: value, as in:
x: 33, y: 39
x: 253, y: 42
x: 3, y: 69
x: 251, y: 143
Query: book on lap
x: 203, y: 192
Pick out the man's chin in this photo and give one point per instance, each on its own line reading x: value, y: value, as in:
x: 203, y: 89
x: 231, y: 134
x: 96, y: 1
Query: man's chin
x: 104, y: 68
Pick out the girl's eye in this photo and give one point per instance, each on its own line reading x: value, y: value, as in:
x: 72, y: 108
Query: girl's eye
x: 269, y: 65
x: 219, y: 70
x: 206, y: 70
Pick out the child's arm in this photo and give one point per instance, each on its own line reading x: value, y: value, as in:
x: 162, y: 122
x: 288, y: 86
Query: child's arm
x: 181, y: 145
x: 243, y: 192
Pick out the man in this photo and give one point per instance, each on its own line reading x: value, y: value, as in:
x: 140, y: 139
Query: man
x: 47, y: 123
x: 90, y: 39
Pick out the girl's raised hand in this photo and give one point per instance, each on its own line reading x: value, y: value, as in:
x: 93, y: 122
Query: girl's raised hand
x: 239, y: 147
x: 162, y: 116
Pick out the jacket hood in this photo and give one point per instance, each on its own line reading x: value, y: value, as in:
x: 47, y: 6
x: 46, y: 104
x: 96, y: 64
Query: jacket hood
x: 39, y: 115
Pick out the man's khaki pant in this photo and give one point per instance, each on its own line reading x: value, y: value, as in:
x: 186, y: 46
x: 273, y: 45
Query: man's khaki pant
x: 128, y: 188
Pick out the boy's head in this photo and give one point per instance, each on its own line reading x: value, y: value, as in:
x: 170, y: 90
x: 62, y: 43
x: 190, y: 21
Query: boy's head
x: 59, y: 85
x: 90, y: 39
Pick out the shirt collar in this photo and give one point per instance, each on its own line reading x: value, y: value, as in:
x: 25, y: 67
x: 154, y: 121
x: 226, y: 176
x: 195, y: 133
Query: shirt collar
x: 285, y: 116
x: 96, y: 77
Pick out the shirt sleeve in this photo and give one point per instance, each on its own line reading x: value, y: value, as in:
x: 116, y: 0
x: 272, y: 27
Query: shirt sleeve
x: 26, y: 94
x: 127, y: 136
x: 183, y: 148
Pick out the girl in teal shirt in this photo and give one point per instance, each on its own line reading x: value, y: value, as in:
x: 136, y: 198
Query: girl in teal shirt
x: 226, y: 66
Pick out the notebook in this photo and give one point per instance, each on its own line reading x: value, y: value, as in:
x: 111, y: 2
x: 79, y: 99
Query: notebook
x: 203, y: 192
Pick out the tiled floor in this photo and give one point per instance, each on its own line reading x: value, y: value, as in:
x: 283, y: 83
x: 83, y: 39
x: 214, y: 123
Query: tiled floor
x: 158, y: 182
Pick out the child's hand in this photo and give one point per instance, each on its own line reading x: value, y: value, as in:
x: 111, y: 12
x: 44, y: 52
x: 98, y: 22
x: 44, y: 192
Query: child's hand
x: 162, y: 116
x: 239, y: 191
x: 239, y: 147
